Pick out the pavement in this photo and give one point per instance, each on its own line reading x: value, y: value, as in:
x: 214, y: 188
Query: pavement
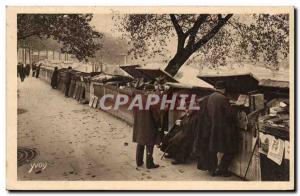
x: 77, y: 143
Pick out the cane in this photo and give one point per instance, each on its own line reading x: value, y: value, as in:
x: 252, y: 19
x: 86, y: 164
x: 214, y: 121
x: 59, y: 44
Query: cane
x: 244, y: 178
x: 256, y: 142
x: 165, y: 152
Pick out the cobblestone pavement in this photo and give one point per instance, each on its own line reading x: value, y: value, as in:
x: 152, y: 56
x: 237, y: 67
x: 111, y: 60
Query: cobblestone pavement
x: 80, y: 143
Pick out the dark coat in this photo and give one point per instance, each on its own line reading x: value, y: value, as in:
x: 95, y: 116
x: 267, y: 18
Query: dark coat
x: 27, y: 69
x: 178, y: 142
x: 223, y: 133
x: 54, y: 79
x: 68, y: 77
x: 146, y: 126
x: 38, y: 71
x: 21, y: 72
x: 33, y: 67
x: 202, y: 130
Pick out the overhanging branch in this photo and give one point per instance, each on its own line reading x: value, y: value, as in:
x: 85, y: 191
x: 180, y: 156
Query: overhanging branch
x: 178, y: 28
x: 193, y: 31
x: 213, y: 32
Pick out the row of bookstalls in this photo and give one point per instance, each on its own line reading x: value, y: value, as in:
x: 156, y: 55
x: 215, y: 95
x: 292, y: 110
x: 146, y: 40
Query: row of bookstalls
x: 80, y: 82
x: 263, y: 117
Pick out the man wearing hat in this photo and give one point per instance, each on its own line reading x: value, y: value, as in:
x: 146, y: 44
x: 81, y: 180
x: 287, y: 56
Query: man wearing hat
x: 223, y: 137
x: 68, y: 81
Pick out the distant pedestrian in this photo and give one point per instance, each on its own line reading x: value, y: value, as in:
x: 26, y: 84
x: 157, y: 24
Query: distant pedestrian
x: 21, y: 71
x: 68, y: 81
x: 33, y: 69
x: 37, y: 72
x: 27, y: 69
x: 54, y: 78
x: 18, y: 69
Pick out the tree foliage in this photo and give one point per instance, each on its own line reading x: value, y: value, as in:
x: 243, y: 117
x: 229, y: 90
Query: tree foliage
x: 38, y: 43
x: 192, y: 31
x: 73, y: 31
x: 213, y: 37
x: 266, y: 38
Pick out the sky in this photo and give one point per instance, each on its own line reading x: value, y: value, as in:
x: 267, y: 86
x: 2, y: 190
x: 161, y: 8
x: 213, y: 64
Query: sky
x: 104, y: 23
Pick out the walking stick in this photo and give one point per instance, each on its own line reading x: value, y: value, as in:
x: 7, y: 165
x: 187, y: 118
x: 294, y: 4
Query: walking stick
x: 253, y: 115
x: 256, y: 142
x: 165, y: 152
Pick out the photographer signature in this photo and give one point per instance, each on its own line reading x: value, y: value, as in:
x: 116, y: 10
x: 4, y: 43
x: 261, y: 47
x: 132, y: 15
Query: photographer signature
x: 39, y: 166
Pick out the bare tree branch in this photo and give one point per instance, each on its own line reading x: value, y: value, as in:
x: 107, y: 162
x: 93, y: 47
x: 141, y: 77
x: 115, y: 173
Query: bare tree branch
x: 212, y: 33
x: 178, y: 28
x: 193, y: 31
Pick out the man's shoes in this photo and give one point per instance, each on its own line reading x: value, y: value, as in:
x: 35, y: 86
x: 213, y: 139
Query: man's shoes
x: 214, y: 173
x: 139, y: 164
x: 226, y: 174
x: 218, y: 172
x: 201, y: 167
x: 152, y: 166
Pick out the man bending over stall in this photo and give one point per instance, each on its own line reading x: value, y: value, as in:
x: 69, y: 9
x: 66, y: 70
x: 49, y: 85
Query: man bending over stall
x: 223, y: 133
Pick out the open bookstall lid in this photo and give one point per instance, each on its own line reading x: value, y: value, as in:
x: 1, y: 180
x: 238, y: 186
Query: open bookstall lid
x: 137, y: 71
x: 236, y: 83
x: 130, y: 69
x: 274, y: 84
x: 188, y: 87
x: 157, y: 73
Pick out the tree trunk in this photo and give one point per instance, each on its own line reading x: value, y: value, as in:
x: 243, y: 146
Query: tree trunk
x: 177, y: 61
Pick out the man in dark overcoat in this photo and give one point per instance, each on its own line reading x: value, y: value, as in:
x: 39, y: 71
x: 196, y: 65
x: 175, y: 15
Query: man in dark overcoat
x: 68, y: 81
x: 223, y: 134
x: 21, y: 71
x: 202, y: 134
x: 146, y: 133
x: 37, y: 72
x: 27, y: 69
x: 33, y: 68
x: 54, y: 78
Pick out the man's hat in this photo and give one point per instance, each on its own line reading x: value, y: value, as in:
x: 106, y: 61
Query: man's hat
x: 220, y: 85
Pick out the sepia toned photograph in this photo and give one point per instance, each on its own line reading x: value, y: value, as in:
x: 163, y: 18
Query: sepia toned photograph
x: 150, y: 98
